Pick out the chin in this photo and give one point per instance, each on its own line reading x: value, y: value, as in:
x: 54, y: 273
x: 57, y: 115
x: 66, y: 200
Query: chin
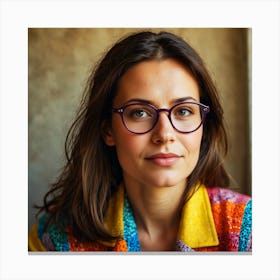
x: 168, y: 182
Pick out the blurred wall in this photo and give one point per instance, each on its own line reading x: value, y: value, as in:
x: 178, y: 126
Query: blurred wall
x: 59, y: 61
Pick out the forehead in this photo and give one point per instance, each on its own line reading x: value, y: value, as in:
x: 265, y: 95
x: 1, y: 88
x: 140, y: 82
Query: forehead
x: 158, y: 81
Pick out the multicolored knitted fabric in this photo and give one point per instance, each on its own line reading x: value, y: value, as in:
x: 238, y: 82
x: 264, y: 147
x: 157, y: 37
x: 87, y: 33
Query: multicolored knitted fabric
x: 214, y: 219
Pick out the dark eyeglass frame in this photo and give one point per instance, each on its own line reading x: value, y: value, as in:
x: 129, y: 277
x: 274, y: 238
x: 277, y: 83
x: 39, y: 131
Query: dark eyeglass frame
x: 204, y: 109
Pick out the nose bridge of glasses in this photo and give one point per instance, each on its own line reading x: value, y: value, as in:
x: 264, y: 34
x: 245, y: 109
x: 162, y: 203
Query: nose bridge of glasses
x: 167, y: 115
x: 163, y: 110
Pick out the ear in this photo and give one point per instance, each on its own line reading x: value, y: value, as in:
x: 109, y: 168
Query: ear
x: 106, y: 132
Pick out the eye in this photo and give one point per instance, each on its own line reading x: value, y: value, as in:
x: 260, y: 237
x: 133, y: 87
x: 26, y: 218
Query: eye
x: 182, y: 112
x: 139, y: 113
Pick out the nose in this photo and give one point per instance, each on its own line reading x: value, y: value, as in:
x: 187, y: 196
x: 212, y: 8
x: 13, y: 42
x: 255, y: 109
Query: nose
x: 163, y: 131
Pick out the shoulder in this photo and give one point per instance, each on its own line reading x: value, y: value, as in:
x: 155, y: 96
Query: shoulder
x: 59, y: 237
x: 219, y: 195
x: 54, y: 237
x: 229, y: 203
x: 232, y: 213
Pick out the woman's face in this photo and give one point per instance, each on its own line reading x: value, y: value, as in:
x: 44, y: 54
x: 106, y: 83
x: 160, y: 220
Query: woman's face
x: 163, y: 157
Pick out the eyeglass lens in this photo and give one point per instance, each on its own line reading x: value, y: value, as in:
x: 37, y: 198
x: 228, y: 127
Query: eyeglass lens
x: 140, y: 118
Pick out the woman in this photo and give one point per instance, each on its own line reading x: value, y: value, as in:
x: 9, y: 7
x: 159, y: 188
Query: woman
x: 144, y: 167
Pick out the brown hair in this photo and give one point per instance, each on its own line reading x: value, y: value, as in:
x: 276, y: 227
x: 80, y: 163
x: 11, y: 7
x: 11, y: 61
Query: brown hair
x: 92, y: 172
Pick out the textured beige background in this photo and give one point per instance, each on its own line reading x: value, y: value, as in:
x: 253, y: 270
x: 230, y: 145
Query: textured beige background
x: 59, y: 61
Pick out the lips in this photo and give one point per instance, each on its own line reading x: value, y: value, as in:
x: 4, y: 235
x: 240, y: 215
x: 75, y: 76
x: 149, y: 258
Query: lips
x: 164, y: 159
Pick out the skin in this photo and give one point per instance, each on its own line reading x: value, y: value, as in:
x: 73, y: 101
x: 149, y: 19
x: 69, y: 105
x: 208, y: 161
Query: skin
x: 155, y: 186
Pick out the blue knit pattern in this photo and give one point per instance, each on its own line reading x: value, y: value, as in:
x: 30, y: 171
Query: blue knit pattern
x: 246, y: 227
x: 54, y: 237
x: 130, y: 229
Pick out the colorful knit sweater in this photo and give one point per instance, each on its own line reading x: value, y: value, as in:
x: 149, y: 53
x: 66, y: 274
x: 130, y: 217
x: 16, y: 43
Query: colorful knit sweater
x: 214, y: 219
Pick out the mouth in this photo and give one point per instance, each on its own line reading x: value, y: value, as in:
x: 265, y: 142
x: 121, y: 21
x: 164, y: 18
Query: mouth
x: 164, y: 159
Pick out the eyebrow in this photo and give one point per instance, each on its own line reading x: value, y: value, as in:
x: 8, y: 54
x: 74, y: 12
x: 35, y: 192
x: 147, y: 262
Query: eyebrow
x: 173, y: 101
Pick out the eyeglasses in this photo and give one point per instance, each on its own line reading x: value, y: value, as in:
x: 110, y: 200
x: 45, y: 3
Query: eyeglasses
x: 140, y: 118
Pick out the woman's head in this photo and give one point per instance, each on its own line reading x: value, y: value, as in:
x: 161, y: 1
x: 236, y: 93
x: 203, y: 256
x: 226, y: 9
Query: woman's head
x: 93, y: 171
x: 147, y: 46
x: 156, y: 126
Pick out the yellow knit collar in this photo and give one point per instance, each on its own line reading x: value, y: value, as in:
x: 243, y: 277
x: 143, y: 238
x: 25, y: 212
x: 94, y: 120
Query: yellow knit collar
x: 197, y: 227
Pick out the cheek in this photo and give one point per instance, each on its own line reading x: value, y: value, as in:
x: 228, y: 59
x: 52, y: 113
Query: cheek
x: 129, y: 151
x: 126, y: 143
x: 192, y: 142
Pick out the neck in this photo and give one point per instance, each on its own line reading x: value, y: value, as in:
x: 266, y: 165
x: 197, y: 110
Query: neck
x: 157, y: 212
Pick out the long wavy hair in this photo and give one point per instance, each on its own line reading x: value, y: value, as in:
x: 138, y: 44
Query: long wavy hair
x: 92, y: 173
